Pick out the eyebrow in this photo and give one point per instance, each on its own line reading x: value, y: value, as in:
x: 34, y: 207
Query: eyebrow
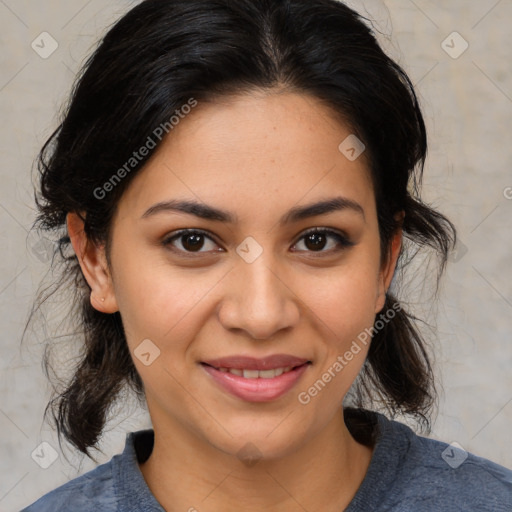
x: 295, y: 214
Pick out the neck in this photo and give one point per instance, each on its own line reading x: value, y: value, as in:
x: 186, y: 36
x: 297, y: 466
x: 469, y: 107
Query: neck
x: 324, y: 473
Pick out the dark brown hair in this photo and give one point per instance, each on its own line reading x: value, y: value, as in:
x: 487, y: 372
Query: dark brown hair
x: 149, y: 64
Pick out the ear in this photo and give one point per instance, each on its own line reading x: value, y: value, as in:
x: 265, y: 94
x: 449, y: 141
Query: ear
x: 94, y: 266
x: 389, y: 265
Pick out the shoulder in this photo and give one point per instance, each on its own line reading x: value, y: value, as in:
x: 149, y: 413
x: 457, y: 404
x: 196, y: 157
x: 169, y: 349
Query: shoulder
x: 115, y: 485
x: 411, y: 472
x: 441, y: 476
x: 91, y: 490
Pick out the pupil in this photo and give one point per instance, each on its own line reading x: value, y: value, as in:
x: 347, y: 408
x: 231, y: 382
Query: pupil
x: 192, y: 242
x: 317, y: 241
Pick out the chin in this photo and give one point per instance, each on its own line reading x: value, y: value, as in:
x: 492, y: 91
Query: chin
x: 268, y: 441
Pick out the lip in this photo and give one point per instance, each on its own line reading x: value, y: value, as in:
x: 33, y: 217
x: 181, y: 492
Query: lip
x: 256, y: 390
x: 252, y: 363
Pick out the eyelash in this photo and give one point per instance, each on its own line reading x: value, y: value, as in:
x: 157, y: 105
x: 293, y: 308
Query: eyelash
x: 342, y: 240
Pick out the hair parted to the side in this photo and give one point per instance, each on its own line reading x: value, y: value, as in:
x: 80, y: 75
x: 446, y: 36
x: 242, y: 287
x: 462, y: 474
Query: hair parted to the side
x: 148, y: 65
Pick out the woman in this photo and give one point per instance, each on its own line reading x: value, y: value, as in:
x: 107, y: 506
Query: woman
x: 237, y: 181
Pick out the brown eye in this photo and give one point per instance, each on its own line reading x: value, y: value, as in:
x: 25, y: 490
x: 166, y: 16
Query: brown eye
x: 317, y: 239
x: 190, y: 241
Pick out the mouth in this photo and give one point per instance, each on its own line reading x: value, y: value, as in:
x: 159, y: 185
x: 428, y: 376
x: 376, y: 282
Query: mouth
x: 256, y: 385
x: 247, y: 373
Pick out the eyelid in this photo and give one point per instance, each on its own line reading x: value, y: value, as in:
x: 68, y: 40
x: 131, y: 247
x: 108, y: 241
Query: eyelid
x: 328, y: 231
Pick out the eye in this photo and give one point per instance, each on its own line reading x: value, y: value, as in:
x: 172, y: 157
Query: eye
x: 190, y: 240
x: 316, y: 239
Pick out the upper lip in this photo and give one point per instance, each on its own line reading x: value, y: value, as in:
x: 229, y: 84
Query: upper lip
x: 252, y: 363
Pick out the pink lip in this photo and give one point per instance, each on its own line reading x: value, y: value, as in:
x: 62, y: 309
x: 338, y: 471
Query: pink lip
x: 253, y: 363
x: 256, y: 390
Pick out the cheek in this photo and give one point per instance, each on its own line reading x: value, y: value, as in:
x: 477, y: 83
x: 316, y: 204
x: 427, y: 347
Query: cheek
x: 344, y: 298
x: 158, y: 301
x: 343, y: 314
x: 165, y: 306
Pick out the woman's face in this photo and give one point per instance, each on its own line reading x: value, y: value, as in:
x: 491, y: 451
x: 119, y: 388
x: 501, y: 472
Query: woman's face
x: 249, y: 282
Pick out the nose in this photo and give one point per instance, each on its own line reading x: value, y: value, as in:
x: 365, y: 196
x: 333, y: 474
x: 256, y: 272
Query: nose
x: 258, y: 300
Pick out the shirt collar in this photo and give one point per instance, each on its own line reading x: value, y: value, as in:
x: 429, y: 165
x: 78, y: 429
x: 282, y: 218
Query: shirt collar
x: 391, y: 446
x: 133, y: 491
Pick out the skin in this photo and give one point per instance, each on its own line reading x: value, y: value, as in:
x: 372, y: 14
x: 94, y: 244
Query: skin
x: 256, y: 155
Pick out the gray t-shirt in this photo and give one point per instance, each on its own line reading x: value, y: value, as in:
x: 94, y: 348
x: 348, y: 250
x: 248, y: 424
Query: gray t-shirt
x: 407, y: 473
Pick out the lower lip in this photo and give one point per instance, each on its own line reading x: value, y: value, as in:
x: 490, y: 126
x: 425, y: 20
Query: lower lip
x: 257, y: 390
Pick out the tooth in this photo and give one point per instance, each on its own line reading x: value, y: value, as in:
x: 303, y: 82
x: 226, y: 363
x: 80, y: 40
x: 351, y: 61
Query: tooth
x: 254, y: 374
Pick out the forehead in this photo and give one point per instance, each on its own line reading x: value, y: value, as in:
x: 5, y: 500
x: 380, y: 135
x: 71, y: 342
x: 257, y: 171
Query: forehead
x: 254, y: 149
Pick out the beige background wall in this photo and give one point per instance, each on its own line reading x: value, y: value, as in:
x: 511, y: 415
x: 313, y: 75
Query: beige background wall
x: 467, y: 101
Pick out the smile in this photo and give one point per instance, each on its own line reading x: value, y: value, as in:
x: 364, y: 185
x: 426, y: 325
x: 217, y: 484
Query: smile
x: 257, y: 374
x: 256, y: 385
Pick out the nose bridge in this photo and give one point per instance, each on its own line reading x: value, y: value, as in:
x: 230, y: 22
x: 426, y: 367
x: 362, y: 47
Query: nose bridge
x: 259, y: 302
x: 263, y: 288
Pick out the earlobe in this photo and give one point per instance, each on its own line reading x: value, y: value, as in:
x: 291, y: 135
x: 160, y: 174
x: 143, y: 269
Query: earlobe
x: 92, y: 260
